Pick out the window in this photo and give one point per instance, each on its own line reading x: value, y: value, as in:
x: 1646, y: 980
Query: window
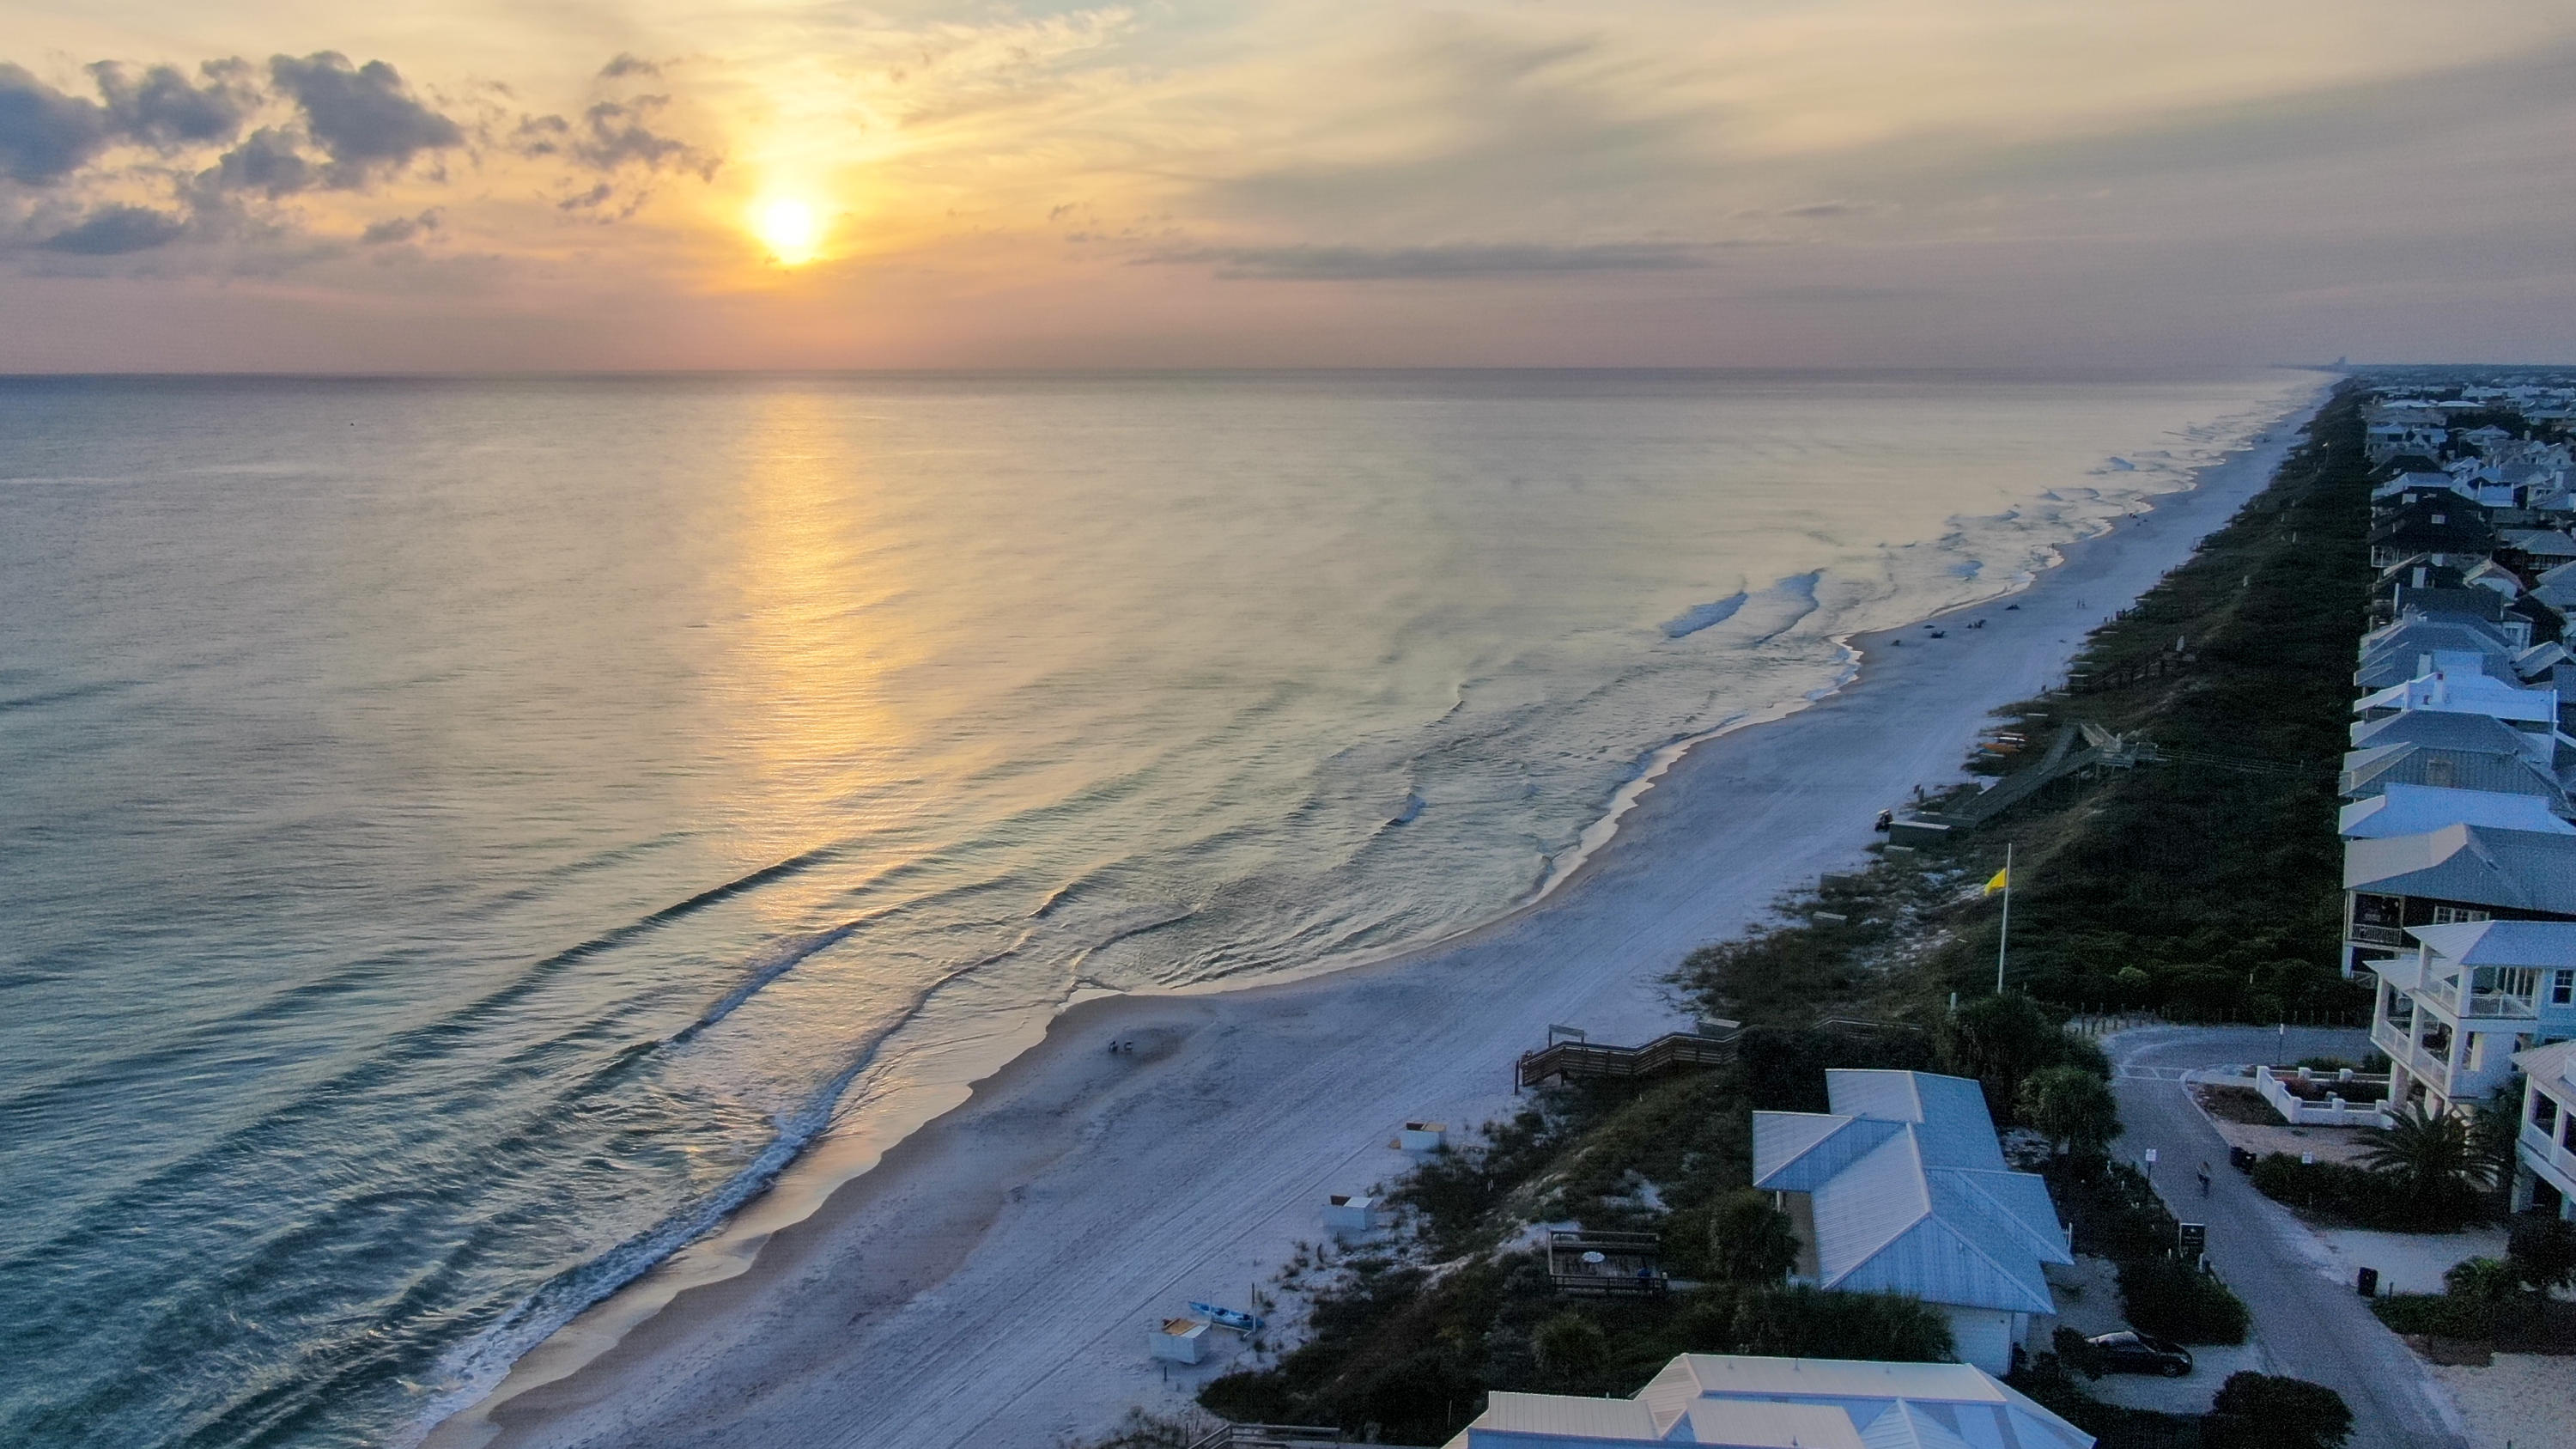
x: 2456, y: 915
x: 2544, y: 1113
x: 2562, y: 988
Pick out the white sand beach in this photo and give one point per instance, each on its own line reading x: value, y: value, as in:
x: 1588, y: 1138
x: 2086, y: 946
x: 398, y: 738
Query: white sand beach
x: 990, y: 1282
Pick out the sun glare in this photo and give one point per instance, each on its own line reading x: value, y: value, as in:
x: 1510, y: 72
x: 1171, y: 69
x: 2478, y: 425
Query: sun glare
x: 789, y: 228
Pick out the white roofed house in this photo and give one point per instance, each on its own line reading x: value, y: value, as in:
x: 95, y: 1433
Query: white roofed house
x: 1782, y: 1403
x: 2532, y: 713
x: 2544, y: 1150
x: 1901, y: 1188
x: 2473, y: 931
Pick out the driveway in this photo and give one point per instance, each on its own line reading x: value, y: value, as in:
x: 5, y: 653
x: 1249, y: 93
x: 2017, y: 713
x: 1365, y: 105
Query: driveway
x: 2308, y: 1323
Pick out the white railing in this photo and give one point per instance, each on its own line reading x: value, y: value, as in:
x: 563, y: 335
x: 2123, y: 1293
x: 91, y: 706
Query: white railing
x: 2335, y: 1110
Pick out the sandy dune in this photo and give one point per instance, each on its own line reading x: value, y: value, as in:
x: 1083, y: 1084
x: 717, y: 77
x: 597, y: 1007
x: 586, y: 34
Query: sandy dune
x: 990, y: 1284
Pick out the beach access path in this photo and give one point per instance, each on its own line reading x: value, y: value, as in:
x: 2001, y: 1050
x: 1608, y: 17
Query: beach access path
x: 2309, y: 1322
x: 990, y: 1282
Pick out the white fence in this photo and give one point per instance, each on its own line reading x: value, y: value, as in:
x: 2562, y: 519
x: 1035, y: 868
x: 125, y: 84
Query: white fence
x: 2334, y: 1111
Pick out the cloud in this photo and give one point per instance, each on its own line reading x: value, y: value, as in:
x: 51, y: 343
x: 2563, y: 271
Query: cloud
x: 115, y: 230
x: 165, y: 109
x: 362, y: 116
x: 614, y: 135
x: 400, y: 228
x: 624, y: 65
x: 1438, y: 262
x: 268, y: 162
x: 45, y: 135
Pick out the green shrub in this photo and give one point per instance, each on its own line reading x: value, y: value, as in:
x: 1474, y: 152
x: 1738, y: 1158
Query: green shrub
x: 2437, y: 1315
x: 1750, y: 1241
x: 1573, y: 1352
x: 2260, y: 1411
x: 1802, y: 1322
x: 2361, y: 1197
x: 2172, y: 1299
x: 2542, y: 1251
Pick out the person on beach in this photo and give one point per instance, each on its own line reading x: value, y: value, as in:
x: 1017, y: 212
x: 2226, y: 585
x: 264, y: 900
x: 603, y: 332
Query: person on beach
x: 2204, y: 1177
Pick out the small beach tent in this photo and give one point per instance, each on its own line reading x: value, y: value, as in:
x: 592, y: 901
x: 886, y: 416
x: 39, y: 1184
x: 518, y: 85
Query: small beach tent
x: 1782, y: 1403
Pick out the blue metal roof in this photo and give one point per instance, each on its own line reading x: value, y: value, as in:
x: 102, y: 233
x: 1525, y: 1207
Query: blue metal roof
x: 1911, y: 1193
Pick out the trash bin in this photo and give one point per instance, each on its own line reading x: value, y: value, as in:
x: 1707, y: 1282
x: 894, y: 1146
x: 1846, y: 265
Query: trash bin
x: 2367, y: 1281
x: 2240, y: 1159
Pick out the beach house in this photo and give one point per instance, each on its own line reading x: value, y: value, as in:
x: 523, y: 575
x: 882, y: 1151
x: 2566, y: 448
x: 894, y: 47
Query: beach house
x: 2471, y: 996
x: 2532, y: 713
x: 1901, y: 1188
x: 2452, y: 1013
x: 1783, y: 1403
x: 2458, y: 873
x: 2544, y: 1150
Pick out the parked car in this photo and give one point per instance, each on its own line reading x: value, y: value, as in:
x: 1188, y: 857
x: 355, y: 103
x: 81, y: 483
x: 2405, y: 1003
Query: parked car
x: 2131, y: 1352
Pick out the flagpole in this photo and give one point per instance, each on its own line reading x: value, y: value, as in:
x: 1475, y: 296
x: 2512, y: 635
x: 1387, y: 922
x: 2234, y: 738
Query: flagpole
x: 2003, y: 938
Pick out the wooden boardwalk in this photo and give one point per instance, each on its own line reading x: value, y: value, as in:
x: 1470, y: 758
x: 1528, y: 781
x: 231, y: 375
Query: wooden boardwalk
x: 1570, y: 1060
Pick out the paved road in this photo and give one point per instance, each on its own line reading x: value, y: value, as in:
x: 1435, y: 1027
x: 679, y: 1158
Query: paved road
x: 2306, y: 1322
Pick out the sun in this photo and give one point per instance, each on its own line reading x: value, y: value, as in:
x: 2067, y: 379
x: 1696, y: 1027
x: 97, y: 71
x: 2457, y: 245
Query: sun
x: 789, y: 227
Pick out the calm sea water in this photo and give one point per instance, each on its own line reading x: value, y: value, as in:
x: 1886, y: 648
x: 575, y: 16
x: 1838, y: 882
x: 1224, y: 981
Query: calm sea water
x: 462, y: 836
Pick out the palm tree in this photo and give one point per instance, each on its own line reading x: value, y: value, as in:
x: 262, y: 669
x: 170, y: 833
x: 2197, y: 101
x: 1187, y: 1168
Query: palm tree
x: 2430, y: 1159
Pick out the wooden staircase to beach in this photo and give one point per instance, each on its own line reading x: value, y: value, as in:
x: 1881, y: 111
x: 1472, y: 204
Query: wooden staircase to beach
x: 1573, y: 1060
x: 1268, y: 1436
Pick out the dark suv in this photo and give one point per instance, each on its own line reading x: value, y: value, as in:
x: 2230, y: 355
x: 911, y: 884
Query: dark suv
x: 2130, y: 1352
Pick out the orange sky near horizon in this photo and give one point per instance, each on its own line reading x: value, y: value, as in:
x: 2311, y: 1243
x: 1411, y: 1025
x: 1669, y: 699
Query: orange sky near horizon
x: 1735, y: 182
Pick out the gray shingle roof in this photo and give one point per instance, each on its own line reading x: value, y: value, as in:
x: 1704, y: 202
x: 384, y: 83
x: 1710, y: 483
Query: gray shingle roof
x: 2515, y: 869
x: 2369, y: 771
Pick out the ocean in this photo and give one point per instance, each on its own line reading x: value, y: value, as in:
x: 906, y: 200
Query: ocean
x: 464, y: 836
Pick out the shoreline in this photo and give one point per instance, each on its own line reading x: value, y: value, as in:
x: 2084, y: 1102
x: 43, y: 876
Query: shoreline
x: 693, y: 1331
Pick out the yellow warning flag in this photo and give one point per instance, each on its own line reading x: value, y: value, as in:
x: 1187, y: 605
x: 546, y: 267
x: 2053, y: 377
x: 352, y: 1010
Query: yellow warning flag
x: 2003, y: 878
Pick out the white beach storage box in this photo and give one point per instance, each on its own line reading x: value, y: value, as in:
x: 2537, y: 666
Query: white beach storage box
x: 1344, y: 1214
x: 1424, y: 1136
x: 1178, y: 1339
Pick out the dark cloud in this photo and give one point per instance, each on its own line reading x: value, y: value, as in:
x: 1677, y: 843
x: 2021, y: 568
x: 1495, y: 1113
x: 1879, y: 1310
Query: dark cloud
x: 164, y: 108
x: 613, y: 135
x: 1503, y: 259
x: 584, y: 200
x: 541, y: 135
x: 626, y: 65
x: 45, y: 135
x: 268, y: 162
x: 400, y: 228
x: 115, y: 230
x: 362, y: 116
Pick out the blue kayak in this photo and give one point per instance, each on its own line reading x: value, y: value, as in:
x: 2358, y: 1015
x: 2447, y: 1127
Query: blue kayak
x: 1227, y: 1318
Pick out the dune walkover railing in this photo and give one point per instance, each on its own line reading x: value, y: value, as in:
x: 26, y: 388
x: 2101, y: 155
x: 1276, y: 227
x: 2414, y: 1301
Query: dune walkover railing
x: 1570, y: 1060
x: 1605, y: 1264
x: 1268, y: 1436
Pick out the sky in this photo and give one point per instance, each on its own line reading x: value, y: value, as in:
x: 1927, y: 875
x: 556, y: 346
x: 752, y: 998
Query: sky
x: 291, y: 185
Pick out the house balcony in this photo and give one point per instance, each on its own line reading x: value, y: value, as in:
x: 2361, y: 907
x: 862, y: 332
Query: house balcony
x: 2507, y: 1005
x: 2544, y: 1154
x: 2422, y: 1065
x: 2362, y: 934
